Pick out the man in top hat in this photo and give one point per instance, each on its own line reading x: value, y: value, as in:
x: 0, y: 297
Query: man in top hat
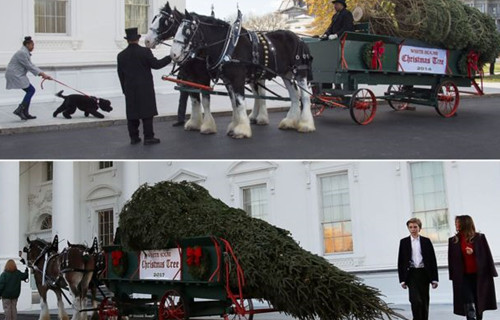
x: 342, y: 21
x: 134, y: 70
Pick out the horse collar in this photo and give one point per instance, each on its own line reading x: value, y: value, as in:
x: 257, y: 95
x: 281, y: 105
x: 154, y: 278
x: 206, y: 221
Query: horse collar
x: 232, y: 38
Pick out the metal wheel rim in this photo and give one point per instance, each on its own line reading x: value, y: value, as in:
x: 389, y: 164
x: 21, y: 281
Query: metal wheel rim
x: 363, y: 106
x: 104, y: 309
x: 399, y: 106
x: 172, y: 306
x: 248, y: 306
x: 448, y: 99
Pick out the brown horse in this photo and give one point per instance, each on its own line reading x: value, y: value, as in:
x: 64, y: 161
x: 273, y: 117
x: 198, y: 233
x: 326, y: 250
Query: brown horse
x: 72, y: 268
x: 43, y: 260
x: 77, y: 267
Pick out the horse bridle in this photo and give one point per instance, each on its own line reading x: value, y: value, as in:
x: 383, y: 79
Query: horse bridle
x: 189, y: 31
x: 171, y: 20
x: 44, y: 250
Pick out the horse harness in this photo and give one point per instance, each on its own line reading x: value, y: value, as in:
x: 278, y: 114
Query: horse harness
x: 261, y: 39
x: 170, y: 18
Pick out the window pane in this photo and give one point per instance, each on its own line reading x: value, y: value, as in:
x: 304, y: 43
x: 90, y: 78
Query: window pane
x: 429, y: 199
x: 336, y: 213
x: 255, y: 201
x: 50, y: 16
x: 106, y: 228
x: 136, y: 15
x: 105, y: 164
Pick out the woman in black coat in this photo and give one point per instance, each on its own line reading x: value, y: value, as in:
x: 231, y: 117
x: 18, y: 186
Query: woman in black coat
x: 134, y: 70
x: 471, y: 268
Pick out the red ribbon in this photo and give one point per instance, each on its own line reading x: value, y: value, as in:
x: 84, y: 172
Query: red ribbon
x: 377, y: 52
x: 193, y: 256
x: 116, y: 256
x: 472, y: 59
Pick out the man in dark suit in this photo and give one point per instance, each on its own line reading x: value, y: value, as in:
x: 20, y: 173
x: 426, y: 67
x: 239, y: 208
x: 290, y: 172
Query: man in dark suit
x: 417, y: 268
x: 342, y: 21
x: 134, y: 70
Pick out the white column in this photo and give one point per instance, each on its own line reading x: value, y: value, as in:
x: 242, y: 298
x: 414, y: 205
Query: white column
x: 130, y: 181
x: 9, y: 211
x: 63, y: 203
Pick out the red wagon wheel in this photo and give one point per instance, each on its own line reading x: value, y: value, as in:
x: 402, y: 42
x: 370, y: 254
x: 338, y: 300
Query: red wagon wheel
x: 172, y: 306
x: 248, y: 305
x: 108, y: 309
x: 363, y: 106
x: 396, y: 105
x: 448, y: 99
x: 317, y: 109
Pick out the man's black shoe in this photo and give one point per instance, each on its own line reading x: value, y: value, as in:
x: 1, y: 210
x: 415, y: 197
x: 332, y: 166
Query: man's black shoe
x: 178, y: 124
x: 135, y: 140
x: 151, y: 141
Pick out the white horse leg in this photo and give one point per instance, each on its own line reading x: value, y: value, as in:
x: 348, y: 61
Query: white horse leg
x: 306, y: 123
x: 44, y: 309
x: 60, y: 307
x: 291, y: 121
x: 208, y: 126
x: 259, y: 113
x: 195, y: 121
x: 240, y: 124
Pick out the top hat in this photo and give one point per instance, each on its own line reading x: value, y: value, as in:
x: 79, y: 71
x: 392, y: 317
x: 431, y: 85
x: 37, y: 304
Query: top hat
x: 132, y: 34
x: 341, y: 2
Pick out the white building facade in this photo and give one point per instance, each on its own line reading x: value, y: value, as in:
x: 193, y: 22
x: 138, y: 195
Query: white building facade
x: 351, y: 213
x: 76, y: 41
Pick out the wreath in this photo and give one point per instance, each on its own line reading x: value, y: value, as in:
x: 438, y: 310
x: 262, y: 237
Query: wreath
x: 119, y: 262
x: 373, y: 54
x: 198, y: 263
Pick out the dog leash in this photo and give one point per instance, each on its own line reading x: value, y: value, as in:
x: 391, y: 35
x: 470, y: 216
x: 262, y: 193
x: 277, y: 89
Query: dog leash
x: 63, y: 84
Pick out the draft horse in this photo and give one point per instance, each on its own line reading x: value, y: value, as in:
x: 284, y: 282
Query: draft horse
x: 72, y: 268
x: 163, y: 27
x: 238, y: 56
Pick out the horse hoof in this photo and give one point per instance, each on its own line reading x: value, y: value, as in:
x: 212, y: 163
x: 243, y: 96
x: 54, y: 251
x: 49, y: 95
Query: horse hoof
x: 287, y: 124
x: 305, y: 128
x: 253, y: 121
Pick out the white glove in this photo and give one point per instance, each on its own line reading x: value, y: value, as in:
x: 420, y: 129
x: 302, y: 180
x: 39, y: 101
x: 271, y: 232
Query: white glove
x: 333, y: 36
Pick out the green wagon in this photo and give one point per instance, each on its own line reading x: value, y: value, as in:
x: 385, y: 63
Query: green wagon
x: 415, y: 73
x: 190, y: 280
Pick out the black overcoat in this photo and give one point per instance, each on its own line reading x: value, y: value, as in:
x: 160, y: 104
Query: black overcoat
x: 485, y: 272
x: 428, y: 255
x: 134, y: 70
x: 342, y: 21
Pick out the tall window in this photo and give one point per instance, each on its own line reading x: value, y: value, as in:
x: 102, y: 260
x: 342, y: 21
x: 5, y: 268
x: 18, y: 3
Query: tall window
x: 429, y: 199
x: 255, y: 201
x: 136, y: 15
x: 48, y: 171
x: 105, y: 164
x: 336, y: 213
x: 106, y: 226
x: 51, y: 16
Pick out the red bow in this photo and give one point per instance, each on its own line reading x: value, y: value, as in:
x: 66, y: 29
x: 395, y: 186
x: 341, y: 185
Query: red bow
x: 377, y: 52
x: 472, y: 58
x: 116, y: 256
x: 193, y: 256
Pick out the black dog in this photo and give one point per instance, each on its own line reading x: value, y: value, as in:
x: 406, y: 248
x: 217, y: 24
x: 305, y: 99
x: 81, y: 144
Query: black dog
x: 89, y: 105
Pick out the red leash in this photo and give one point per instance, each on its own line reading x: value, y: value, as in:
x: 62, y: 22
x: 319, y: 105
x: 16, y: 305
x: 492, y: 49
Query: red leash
x: 188, y: 83
x: 63, y: 84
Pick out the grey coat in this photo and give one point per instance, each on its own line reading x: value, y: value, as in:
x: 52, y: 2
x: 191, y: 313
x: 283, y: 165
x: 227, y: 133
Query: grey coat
x: 18, y: 67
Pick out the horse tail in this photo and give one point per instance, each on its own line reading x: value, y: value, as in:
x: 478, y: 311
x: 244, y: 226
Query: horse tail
x: 60, y: 94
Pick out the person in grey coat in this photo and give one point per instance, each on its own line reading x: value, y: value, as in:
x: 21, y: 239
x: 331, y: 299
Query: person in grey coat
x: 16, y: 76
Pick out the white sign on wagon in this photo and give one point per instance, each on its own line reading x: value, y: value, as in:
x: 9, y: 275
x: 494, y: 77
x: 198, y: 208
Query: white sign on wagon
x: 422, y: 60
x: 160, y: 264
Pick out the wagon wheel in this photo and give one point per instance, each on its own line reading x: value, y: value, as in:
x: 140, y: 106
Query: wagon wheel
x: 248, y: 305
x: 317, y: 108
x: 448, y: 99
x: 398, y: 106
x: 108, y: 309
x: 363, y: 106
x: 172, y: 306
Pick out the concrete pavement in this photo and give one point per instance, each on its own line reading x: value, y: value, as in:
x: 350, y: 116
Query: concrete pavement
x: 437, y: 312
x: 167, y: 109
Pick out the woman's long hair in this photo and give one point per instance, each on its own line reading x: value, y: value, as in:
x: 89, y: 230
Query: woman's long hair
x: 10, y: 266
x: 467, y: 229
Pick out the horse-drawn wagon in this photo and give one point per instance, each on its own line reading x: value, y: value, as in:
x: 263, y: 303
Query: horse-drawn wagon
x: 192, y: 279
x: 416, y: 73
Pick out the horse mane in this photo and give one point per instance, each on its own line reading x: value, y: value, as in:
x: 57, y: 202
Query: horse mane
x: 211, y: 20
